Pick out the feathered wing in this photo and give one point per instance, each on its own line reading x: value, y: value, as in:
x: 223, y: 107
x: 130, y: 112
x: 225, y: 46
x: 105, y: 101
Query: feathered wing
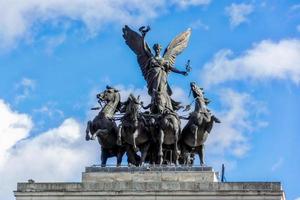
x: 178, y: 44
x: 137, y: 44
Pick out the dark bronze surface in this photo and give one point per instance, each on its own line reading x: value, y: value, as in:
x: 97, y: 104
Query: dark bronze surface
x: 156, y: 131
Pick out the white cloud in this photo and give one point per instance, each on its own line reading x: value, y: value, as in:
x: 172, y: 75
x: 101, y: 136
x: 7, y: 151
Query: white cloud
x: 59, y: 154
x: 14, y: 127
x: 230, y: 136
x: 199, y: 24
x: 24, y: 88
x: 126, y: 90
x: 238, y: 13
x: 265, y: 60
x: 49, y: 109
x: 20, y: 20
x: 277, y: 164
x: 297, y: 198
x: 53, y: 42
x: 186, y: 3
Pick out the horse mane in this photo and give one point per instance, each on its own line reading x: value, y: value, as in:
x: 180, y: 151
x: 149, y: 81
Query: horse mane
x: 117, y: 103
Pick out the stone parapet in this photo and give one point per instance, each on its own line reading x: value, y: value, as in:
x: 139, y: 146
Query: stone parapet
x: 150, y: 183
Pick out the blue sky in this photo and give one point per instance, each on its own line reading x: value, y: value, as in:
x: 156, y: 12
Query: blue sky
x: 56, y: 55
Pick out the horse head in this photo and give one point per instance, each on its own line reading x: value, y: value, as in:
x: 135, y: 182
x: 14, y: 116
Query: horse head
x: 132, y: 106
x: 109, y: 94
x: 111, y: 97
x: 197, y: 91
x: 198, y: 95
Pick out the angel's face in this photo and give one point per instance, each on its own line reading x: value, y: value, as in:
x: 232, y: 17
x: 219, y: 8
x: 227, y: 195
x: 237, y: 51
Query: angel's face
x: 157, y: 49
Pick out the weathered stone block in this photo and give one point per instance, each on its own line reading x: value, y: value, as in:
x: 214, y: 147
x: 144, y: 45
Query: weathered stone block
x: 150, y: 183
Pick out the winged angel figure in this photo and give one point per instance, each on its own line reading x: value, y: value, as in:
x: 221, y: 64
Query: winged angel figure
x: 155, y: 68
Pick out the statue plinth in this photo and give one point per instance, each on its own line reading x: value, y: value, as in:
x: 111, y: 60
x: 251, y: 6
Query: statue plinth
x: 150, y: 183
x: 127, y: 177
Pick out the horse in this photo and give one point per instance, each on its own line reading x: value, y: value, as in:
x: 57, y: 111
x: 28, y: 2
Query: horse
x: 200, y: 123
x: 134, y: 131
x: 104, y: 127
x: 168, y: 124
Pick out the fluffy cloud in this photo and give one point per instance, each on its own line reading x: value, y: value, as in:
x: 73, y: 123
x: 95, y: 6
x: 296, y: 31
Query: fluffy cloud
x: 198, y: 24
x: 230, y: 137
x: 20, y: 19
x: 265, y: 60
x: 14, y: 127
x: 238, y: 13
x: 185, y: 3
x: 24, y: 88
x: 59, y: 154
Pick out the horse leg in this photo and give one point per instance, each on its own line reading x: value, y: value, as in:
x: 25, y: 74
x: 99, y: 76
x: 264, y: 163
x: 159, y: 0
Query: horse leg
x: 194, y: 129
x: 99, y: 131
x: 130, y: 156
x: 119, y: 157
x: 119, y: 141
x: 184, y: 154
x: 104, y: 157
x: 201, y: 155
x: 160, y: 151
x: 134, y: 136
x: 215, y: 119
x: 144, y: 152
x: 87, y: 131
x: 176, y: 150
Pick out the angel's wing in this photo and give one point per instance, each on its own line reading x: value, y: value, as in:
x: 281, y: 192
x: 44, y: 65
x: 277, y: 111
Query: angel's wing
x: 137, y: 44
x: 178, y: 44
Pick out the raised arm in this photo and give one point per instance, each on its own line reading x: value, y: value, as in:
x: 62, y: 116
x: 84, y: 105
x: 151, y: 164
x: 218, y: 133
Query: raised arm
x: 143, y: 30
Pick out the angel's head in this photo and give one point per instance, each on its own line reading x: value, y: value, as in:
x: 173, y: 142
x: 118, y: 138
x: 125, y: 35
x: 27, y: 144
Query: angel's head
x: 157, y: 49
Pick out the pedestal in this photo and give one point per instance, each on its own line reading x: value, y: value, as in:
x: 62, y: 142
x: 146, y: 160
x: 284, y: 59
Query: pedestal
x: 148, y: 184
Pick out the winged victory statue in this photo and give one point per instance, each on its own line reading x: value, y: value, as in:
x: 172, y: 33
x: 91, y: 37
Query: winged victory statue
x: 155, y: 68
x: 155, y: 133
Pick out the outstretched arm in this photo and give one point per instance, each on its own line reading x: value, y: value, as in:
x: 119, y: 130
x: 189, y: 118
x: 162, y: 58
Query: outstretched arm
x: 174, y: 69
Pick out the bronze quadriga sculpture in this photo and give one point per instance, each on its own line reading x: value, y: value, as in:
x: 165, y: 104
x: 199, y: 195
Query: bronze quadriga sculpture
x: 156, y: 131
